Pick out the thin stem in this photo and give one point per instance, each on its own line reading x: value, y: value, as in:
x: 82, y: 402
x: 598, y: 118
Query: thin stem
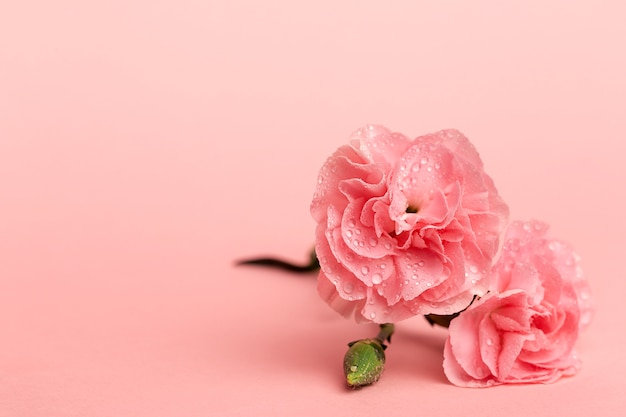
x: 313, y: 264
x: 386, y: 330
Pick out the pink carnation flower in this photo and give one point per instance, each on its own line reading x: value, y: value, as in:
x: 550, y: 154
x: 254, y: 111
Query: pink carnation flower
x: 405, y: 227
x: 525, y: 329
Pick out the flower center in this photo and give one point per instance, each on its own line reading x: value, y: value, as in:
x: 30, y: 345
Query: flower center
x: 412, y: 209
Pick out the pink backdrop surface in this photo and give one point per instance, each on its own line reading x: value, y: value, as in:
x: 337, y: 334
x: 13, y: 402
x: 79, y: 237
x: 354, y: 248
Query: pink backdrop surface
x: 147, y: 145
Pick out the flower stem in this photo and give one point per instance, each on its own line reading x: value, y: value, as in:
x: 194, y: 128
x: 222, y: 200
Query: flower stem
x: 270, y: 262
x: 386, y: 330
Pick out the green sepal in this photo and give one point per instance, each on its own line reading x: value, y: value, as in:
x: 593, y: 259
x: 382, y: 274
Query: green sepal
x: 444, y: 320
x: 440, y: 320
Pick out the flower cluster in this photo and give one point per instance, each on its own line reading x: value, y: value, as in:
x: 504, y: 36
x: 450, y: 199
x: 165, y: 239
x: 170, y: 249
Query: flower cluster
x: 414, y: 227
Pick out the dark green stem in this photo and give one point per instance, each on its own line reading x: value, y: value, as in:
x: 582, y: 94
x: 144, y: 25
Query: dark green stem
x: 445, y: 320
x: 386, y: 330
x: 270, y: 262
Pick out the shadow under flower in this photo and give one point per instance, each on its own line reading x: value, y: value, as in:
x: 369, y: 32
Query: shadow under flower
x: 418, y: 351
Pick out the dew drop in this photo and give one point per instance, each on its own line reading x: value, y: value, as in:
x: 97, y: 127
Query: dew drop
x: 365, y: 270
x: 387, y: 245
x: 414, y: 276
x: 415, y: 168
x: 353, y: 368
x: 421, y: 263
x: 357, y: 231
x: 437, y: 165
x: 373, y: 242
x: 349, y: 233
x: 424, y: 160
x: 372, y: 315
x: 377, y: 278
x: 383, y: 266
x: 489, y: 342
x: 348, y: 287
x: 473, y: 269
x: 351, y: 223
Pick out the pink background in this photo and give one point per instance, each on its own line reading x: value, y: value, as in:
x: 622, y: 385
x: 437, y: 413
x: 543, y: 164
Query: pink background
x: 146, y: 145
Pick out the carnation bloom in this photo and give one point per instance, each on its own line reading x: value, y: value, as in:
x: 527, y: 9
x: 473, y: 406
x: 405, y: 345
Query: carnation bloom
x: 525, y: 329
x: 405, y: 227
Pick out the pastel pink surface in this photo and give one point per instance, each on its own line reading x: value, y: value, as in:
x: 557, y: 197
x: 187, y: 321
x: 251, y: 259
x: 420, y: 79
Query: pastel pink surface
x: 145, y: 146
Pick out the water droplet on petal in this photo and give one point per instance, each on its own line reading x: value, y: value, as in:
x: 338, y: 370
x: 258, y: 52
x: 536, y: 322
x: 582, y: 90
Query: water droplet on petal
x: 349, y: 233
x: 489, y: 342
x: 348, y: 287
x: 373, y: 242
x: 365, y: 270
x: 377, y: 278
x: 421, y: 263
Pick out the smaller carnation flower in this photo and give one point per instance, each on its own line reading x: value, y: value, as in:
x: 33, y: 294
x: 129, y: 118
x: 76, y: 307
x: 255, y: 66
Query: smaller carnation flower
x: 524, y: 330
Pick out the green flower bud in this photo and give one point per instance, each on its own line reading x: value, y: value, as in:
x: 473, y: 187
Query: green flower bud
x: 364, y: 362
